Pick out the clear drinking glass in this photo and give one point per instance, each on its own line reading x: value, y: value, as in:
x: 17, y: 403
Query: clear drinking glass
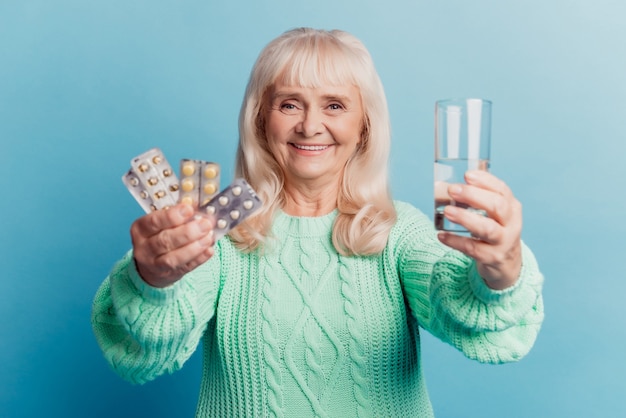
x: 462, y: 143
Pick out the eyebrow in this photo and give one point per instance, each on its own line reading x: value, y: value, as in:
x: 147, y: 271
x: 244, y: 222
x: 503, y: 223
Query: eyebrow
x: 282, y: 94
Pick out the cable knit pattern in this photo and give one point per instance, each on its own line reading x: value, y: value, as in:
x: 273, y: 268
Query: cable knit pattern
x: 271, y: 356
x: 301, y: 331
x: 452, y: 301
x: 357, y: 351
x: 144, y: 334
x: 466, y: 303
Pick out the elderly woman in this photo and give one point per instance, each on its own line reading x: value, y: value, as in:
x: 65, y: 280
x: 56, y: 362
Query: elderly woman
x: 313, y: 307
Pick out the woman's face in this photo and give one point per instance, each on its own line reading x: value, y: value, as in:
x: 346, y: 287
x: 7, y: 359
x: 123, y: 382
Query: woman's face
x: 312, y: 132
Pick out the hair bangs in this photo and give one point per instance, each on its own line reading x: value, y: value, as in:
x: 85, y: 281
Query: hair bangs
x: 319, y: 61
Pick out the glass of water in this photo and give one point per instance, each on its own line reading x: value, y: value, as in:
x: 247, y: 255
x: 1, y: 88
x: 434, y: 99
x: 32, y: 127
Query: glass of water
x: 462, y: 143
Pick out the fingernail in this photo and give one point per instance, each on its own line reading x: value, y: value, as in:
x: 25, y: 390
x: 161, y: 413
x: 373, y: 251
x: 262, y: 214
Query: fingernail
x: 451, y: 210
x: 472, y: 175
x: 456, y: 190
x: 186, y: 210
x: 205, y: 225
x: 207, y: 239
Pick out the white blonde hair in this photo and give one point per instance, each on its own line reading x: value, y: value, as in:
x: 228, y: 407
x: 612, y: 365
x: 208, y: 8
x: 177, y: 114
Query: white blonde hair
x: 307, y: 57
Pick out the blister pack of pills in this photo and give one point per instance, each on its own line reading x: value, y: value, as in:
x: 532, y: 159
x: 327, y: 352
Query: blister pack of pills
x: 155, y: 186
x: 151, y: 181
x: 199, y: 181
x: 232, y: 206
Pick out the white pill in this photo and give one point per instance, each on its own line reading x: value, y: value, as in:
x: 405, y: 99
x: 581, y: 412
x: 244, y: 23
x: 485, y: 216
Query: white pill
x: 248, y: 204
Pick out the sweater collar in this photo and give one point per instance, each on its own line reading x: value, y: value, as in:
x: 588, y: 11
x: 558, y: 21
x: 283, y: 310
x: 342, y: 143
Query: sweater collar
x: 304, y: 226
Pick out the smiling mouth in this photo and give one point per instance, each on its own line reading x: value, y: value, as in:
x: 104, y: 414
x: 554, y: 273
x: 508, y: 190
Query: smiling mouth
x: 310, y: 147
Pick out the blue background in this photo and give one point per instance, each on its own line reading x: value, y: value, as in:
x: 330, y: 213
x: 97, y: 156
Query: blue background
x: 86, y: 85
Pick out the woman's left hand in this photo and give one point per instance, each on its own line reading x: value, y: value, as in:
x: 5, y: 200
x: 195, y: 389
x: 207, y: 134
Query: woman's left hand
x: 496, y: 238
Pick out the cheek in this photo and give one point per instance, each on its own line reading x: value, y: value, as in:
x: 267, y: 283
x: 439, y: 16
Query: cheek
x: 276, y: 126
x: 272, y: 133
x: 351, y: 131
x: 274, y: 145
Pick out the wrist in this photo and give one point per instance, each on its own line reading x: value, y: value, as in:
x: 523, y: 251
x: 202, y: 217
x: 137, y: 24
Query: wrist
x: 500, y: 277
x: 154, y: 294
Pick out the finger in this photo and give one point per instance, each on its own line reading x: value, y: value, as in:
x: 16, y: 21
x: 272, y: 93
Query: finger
x: 184, y: 259
x: 471, y: 247
x: 486, y: 180
x: 497, y: 206
x: 506, y: 210
x: 441, y: 193
x: 166, y: 270
x: 499, y: 268
x: 480, y: 226
x: 157, y: 221
x: 173, y: 238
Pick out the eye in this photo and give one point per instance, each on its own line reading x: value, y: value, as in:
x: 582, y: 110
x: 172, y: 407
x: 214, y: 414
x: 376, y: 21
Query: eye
x: 335, y: 106
x: 289, y: 108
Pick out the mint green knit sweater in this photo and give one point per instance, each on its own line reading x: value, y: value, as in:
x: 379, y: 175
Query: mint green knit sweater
x: 300, y: 331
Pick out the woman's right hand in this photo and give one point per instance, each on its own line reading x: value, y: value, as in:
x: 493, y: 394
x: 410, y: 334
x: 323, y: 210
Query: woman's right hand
x: 167, y: 244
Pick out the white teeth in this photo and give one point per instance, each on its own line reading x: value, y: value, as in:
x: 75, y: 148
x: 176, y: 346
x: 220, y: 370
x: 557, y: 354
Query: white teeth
x: 311, y: 147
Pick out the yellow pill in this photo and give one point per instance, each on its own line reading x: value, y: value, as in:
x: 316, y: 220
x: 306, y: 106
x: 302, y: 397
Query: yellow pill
x: 210, y: 172
x: 210, y: 188
x: 187, y: 185
x: 157, y: 159
x: 236, y: 190
x: 189, y: 169
x: 134, y: 181
x: 152, y: 181
x: 174, y: 187
x: 167, y: 172
x: 143, y: 194
x: 143, y: 167
x: 160, y: 194
x: 187, y: 200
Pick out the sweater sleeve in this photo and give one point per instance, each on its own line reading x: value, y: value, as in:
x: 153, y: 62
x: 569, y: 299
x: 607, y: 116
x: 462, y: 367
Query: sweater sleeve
x: 449, y: 298
x: 145, y: 331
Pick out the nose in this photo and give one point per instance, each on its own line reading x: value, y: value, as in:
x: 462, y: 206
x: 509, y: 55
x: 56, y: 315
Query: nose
x: 312, y: 123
